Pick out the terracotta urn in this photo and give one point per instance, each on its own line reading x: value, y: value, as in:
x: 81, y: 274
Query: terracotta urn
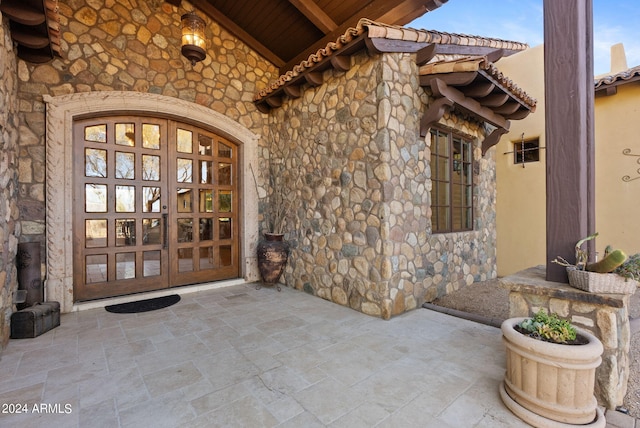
x: 273, y: 253
x: 548, y: 384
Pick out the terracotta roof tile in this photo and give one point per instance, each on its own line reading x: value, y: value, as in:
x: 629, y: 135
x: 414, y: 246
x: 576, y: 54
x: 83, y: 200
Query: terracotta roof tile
x: 392, y: 32
x: 474, y: 63
x: 627, y: 75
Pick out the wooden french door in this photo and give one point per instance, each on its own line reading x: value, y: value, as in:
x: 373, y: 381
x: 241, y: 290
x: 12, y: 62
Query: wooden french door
x: 155, y: 206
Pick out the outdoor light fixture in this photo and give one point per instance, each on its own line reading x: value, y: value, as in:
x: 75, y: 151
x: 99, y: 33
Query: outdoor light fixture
x: 193, y: 42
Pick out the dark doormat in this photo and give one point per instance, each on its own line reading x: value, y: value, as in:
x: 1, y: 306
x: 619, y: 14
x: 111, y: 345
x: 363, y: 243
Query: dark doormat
x: 144, y: 305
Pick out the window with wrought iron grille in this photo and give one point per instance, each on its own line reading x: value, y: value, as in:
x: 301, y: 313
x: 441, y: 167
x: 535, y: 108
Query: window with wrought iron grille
x: 452, y: 179
x: 526, y: 151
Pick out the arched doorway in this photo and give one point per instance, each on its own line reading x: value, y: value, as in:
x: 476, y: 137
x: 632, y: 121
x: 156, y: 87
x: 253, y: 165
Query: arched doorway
x: 156, y: 206
x: 65, y: 112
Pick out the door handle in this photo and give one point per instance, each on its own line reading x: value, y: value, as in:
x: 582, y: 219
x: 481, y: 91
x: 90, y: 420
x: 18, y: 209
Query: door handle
x: 165, y: 230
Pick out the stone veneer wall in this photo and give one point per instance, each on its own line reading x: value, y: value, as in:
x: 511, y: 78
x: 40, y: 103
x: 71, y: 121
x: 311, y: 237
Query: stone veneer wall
x: 9, y: 227
x: 357, y: 176
x: 129, y: 45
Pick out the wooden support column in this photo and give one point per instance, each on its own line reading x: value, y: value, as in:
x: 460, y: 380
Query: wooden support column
x: 569, y: 92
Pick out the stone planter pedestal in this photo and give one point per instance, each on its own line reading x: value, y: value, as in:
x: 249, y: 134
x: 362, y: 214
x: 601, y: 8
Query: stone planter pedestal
x: 606, y: 316
x: 548, y: 384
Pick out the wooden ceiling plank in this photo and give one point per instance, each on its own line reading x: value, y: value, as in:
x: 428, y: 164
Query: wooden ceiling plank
x: 372, y: 10
x: 315, y: 14
x: 232, y: 27
x: 409, y: 10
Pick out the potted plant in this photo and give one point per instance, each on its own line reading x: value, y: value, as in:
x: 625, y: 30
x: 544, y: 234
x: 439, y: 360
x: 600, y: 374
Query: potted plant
x: 614, y: 273
x: 273, y: 250
x: 550, y: 376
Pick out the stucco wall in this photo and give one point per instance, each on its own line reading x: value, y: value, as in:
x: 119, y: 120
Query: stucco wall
x: 521, y: 191
x: 357, y: 173
x: 617, y: 126
x: 521, y: 201
x: 9, y: 227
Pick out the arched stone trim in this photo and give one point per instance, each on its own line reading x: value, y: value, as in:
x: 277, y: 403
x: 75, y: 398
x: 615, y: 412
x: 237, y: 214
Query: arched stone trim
x: 60, y: 113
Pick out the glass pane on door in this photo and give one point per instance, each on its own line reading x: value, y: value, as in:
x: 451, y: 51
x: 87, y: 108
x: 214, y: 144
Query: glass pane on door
x: 158, y: 206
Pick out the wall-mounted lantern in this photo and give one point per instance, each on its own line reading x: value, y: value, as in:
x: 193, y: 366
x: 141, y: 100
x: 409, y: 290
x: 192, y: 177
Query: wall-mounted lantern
x: 193, y: 42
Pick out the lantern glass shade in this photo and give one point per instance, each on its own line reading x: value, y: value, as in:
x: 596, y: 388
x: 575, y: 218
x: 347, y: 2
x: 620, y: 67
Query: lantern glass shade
x: 193, y: 41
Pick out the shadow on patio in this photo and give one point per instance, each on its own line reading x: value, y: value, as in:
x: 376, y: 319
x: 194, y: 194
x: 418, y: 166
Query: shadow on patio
x: 244, y: 357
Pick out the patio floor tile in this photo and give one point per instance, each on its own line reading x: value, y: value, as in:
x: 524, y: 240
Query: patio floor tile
x: 243, y: 357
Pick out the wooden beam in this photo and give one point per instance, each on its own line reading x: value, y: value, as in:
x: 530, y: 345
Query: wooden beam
x: 518, y: 114
x: 274, y: 101
x: 378, y: 45
x: 409, y: 10
x: 440, y: 88
x: 29, y: 37
x: 263, y: 107
x: 340, y: 62
x: 434, y: 113
x: 452, y: 79
x: 22, y: 12
x: 473, y: 50
x: 314, y: 78
x: 292, y: 91
x: 315, y: 14
x: 570, y: 154
x: 426, y: 54
x: 373, y: 10
x: 493, y: 100
x: 479, y: 89
x: 506, y: 108
x: 493, y: 138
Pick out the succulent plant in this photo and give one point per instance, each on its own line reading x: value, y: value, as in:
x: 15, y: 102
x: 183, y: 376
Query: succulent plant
x: 549, y: 327
x: 630, y: 268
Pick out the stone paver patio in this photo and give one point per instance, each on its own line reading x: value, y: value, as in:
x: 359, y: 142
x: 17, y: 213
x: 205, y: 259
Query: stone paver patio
x: 243, y: 357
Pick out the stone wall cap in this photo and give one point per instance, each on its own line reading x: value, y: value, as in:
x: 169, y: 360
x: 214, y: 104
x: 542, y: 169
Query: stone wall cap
x: 532, y: 281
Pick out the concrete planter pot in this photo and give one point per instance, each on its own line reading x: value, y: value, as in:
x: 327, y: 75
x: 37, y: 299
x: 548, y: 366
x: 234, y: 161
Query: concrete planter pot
x: 548, y: 384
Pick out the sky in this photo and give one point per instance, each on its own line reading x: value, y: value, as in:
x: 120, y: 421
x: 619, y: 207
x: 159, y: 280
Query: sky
x: 614, y: 21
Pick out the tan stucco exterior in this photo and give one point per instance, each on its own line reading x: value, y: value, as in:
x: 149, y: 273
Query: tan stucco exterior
x: 521, y: 194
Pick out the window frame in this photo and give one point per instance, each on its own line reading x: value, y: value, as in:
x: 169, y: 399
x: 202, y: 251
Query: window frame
x: 458, y: 194
x: 526, y: 153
